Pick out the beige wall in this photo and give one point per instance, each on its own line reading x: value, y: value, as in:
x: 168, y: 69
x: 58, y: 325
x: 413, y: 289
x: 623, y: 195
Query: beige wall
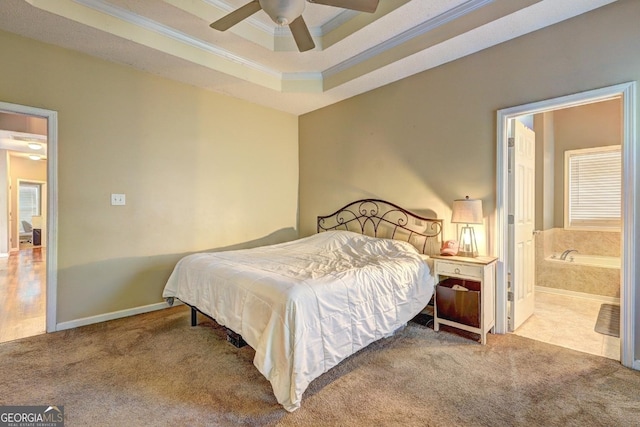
x: 587, y: 126
x: 22, y: 168
x: 22, y: 123
x: 200, y: 171
x: 430, y: 138
x: 543, y: 127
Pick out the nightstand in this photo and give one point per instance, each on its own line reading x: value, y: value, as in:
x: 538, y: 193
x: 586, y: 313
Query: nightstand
x: 471, y: 310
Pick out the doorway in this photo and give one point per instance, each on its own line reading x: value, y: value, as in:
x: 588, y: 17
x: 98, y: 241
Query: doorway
x: 503, y: 245
x: 574, y: 230
x: 28, y: 152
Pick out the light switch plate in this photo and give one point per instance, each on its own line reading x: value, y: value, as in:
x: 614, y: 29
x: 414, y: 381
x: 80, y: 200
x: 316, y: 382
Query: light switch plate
x: 118, y: 199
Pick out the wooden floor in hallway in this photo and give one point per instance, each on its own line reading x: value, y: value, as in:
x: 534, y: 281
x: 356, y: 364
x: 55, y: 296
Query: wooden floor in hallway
x: 23, y: 294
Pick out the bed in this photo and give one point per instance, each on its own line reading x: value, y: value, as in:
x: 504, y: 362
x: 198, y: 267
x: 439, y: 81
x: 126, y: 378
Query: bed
x: 306, y: 305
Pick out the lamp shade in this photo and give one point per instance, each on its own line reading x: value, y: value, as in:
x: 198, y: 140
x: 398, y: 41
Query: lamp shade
x: 467, y: 211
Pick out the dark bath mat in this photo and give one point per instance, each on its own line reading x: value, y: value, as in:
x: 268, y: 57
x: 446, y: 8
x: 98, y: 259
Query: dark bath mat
x: 608, y: 322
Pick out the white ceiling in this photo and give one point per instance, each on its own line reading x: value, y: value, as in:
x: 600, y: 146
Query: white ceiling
x: 21, y: 144
x: 257, y: 61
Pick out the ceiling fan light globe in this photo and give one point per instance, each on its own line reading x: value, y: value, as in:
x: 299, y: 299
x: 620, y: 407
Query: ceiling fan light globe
x: 283, y: 12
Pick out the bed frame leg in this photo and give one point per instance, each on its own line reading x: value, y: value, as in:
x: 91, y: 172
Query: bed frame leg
x: 194, y: 316
x: 234, y: 338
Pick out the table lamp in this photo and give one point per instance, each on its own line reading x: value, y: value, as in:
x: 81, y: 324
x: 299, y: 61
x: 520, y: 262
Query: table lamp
x: 467, y: 211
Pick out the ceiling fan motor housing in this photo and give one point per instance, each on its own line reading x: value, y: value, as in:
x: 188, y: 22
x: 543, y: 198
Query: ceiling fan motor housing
x: 283, y: 12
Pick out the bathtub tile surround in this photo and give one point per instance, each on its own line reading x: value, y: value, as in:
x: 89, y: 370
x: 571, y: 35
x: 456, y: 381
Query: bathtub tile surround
x: 578, y: 278
x: 606, y: 243
x: 573, y: 276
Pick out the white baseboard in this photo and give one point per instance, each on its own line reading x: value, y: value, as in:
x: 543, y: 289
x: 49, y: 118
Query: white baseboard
x: 113, y: 315
x: 601, y: 298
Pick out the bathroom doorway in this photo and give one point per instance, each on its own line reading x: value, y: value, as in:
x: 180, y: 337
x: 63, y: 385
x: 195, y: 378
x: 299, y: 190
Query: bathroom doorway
x: 625, y: 93
x: 577, y: 239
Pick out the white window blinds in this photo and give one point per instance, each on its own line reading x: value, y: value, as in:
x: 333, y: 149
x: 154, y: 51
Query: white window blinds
x: 593, y: 188
x: 29, y: 195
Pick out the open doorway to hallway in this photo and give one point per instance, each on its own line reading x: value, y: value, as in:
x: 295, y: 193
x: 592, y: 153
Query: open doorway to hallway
x: 23, y: 284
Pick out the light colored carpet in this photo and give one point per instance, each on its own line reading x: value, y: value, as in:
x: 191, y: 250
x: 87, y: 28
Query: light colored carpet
x: 154, y: 369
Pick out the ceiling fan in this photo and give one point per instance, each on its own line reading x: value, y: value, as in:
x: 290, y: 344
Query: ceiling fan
x: 289, y: 12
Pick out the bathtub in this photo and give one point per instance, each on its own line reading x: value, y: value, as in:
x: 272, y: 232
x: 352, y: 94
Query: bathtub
x: 589, y: 274
x: 586, y: 260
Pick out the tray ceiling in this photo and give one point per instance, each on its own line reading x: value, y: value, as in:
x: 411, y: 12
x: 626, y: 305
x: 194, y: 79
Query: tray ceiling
x: 258, y: 61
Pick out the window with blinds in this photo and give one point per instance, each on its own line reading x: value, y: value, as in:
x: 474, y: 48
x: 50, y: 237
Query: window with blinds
x: 593, y: 188
x: 29, y: 195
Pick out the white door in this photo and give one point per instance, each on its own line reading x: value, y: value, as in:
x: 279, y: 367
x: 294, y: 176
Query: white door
x: 522, y: 211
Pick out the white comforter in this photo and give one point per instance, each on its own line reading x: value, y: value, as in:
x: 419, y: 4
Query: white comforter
x: 305, y: 305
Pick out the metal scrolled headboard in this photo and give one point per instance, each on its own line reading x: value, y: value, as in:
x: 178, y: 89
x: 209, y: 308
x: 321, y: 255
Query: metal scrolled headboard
x: 379, y: 218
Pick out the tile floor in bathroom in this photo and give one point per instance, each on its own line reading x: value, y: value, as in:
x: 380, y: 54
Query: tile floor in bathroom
x: 569, y: 321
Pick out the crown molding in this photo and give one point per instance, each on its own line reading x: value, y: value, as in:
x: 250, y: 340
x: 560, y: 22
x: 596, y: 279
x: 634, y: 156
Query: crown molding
x: 407, y: 35
x: 171, y: 33
x: 296, y: 82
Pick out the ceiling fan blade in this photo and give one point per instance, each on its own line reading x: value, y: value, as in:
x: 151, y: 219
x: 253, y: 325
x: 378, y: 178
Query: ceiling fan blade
x: 301, y: 34
x: 359, y: 5
x: 236, y: 16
